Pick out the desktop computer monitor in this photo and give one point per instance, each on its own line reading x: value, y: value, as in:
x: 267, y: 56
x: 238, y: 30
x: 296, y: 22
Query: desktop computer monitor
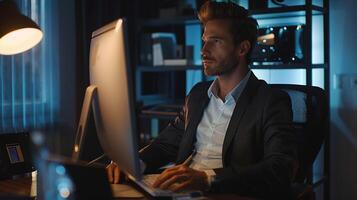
x: 111, y: 97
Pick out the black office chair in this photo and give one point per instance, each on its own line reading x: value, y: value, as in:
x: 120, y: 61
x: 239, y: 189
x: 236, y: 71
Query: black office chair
x: 310, y: 118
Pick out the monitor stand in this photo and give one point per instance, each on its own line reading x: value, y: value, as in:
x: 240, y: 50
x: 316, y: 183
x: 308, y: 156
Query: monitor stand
x: 90, y: 99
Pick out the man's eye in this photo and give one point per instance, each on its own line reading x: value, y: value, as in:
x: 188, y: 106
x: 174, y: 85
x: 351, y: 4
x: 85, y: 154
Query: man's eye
x: 217, y: 41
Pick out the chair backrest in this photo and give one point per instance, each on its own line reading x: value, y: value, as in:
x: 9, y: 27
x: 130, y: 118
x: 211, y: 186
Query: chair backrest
x: 310, y: 118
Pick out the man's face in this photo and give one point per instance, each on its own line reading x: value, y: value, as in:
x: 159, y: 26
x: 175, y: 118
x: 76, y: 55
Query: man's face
x: 219, y: 51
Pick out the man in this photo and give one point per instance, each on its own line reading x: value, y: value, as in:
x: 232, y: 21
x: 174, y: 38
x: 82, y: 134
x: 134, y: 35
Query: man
x: 238, y: 127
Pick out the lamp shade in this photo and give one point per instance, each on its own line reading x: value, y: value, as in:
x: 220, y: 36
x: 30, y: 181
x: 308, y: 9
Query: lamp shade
x: 18, y: 33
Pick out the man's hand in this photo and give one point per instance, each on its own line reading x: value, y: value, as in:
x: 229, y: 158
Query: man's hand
x: 113, y: 172
x: 180, y: 178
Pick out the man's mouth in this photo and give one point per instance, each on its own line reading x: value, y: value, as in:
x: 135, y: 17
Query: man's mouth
x: 206, y: 61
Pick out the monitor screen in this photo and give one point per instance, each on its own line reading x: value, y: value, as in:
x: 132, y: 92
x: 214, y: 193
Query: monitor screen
x: 15, y: 153
x: 113, y: 109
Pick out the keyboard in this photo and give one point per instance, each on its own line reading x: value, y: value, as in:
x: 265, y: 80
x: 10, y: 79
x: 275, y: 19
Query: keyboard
x: 150, y: 179
x: 147, y: 182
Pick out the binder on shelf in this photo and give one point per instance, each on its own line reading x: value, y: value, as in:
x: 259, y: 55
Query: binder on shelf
x: 175, y: 62
x: 157, y: 54
x: 155, y: 47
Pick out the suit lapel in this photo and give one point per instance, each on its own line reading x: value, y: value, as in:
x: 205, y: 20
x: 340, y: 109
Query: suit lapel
x: 238, y: 112
x: 197, y: 104
x: 197, y: 112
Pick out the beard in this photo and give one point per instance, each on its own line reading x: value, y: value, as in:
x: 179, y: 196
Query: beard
x: 214, y: 68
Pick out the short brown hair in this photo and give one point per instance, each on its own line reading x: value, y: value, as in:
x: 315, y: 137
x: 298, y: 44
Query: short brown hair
x: 243, y: 26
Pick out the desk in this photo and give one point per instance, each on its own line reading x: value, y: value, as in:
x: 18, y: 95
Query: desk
x: 25, y: 188
x: 21, y: 187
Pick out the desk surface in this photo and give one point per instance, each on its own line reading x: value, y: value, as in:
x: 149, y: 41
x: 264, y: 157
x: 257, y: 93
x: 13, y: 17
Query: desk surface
x: 26, y: 187
x: 21, y: 187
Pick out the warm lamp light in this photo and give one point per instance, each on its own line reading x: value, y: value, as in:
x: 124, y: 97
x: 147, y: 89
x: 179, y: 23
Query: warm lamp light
x: 18, y: 33
x: 268, y: 39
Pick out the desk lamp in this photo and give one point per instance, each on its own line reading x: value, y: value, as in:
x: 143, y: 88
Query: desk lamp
x: 18, y: 33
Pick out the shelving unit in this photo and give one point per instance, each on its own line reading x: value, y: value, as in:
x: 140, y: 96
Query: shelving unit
x: 167, y: 74
x: 308, y: 11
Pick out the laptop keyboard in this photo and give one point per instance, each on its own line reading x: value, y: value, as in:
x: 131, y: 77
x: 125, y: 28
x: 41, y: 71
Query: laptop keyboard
x: 150, y: 179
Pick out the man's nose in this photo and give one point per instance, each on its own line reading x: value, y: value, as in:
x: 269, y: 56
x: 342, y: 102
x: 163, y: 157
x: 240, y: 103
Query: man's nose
x: 204, y: 49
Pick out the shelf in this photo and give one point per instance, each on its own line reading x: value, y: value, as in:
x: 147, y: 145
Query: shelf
x: 199, y: 67
x: 158, y: 115
x: 168, y: 68
x: 286, y: 66
x: 287, y: 9
x: 167, y: 111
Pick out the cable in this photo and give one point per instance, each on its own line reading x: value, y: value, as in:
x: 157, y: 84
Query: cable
x: 95, y: 160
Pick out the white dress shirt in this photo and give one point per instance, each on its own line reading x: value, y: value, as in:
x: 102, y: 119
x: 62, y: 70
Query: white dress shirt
x: 212, y: 128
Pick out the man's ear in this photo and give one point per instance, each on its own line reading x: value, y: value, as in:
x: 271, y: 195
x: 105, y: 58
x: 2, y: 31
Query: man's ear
x: 243, y: 48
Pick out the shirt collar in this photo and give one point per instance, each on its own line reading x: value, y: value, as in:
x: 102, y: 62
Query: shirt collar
x: 234, y: 93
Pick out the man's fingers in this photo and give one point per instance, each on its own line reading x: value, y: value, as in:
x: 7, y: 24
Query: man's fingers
x: 167, y: 175
x: 173, y: 180
x: 180, y: 186
x: 113, y: 173
x: 116, y: 174
x: 182, y: 178
x: 109, y: 170
x: 172, y: 168
x: 162, y: 178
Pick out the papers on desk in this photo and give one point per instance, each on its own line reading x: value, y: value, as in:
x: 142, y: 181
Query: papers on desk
x: 125, y: 191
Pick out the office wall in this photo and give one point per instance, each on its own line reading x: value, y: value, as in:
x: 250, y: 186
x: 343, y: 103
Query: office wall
x: 68, y: 66
x: 59, y: 138
x: 343, y: 76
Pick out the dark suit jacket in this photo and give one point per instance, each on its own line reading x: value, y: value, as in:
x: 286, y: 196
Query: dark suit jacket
x: 259, y: 147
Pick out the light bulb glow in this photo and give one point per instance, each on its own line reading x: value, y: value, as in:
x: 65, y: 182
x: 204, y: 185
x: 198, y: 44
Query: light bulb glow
x: 64, y: 192
x: 267, y: 39
x: 20, y: 40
